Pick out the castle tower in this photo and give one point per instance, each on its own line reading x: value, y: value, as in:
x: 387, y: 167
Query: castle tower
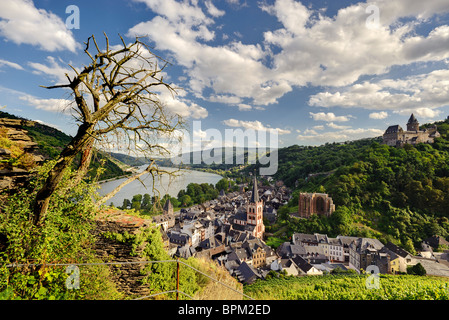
x: 254, y: 212
x: 412, y: 124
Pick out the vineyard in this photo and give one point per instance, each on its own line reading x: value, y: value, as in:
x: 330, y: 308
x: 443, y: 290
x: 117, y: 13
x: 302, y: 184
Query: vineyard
x: 350, y: 287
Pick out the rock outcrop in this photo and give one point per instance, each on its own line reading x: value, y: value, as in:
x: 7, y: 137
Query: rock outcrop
x: 12, y: 176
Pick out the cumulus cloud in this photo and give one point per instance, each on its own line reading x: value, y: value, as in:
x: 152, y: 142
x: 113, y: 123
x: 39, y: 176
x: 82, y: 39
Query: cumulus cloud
x: 213, y: 10
x: 21, y: 22
x: 336, y: 126
x: 254, y: 125
x: 378, y: 115
x: 315, y: 47
x: 329, y: 117
x: 52, y: 105
x: 340, y: 136
x: 423, y: 92
x: 426, y: 113
x: 309, y: 48
x: 234, y: 71
x: 182, y: 107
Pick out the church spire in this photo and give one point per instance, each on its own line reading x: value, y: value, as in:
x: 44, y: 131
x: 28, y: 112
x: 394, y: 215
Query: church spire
x: 255, y: 193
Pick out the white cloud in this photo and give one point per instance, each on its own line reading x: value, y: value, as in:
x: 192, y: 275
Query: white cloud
x: 310, y: 131
x: 10, y: 64
x: 424, y: 92
x: 52, y: 105
x: 234, y: 71
x: 378, y: 115
x: 254, y: 125
x: 213, y: 10
x: 21, y: 22
x: 245, y: 107
x: 311, y: 48
x: 336, y: 51
x: 329, y: 117
x: 53, y: 69
x: 182, y: 107
x: 225, y: 99
x: 426, y: 113
x: 336, y: 126
x: 340, y: 136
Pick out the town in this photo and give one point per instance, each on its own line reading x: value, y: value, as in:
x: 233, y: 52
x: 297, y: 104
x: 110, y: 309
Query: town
x: 230, y: 230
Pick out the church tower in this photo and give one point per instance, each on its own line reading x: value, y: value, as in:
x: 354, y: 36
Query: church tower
x: 412, y: 124
x: 254, y: 212
x: 168, y: 208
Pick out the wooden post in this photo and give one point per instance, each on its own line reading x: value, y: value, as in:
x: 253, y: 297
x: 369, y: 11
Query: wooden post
x: 177, y: 279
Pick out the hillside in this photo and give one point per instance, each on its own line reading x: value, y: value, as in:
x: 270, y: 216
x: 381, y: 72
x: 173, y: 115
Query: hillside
x: 393, y: 194
x: 350, y: 287
x: 52, y: 141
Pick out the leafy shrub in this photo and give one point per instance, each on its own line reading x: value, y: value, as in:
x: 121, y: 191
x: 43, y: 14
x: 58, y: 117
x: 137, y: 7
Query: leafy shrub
x: 65, y: 238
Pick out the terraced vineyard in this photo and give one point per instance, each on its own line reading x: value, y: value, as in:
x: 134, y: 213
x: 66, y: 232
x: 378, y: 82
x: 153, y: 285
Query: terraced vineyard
x: 350, y: 287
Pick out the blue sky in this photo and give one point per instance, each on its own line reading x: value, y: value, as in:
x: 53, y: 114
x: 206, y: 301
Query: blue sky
x: 319, y: 71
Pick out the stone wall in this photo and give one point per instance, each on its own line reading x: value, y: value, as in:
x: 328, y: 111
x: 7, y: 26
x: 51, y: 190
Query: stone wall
x: 126, y: 277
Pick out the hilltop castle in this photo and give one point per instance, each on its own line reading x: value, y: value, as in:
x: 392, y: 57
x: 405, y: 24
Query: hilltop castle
x: 395, y: 136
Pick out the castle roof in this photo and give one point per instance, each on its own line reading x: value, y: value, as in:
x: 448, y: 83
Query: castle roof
x: 412, y: 119
x: 394, y: 129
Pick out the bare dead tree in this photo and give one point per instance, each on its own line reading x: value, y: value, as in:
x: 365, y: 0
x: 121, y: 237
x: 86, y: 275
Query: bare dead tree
x: 115, y: 103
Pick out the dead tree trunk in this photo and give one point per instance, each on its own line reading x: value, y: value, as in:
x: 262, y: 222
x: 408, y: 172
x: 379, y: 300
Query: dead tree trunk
x: 122, y: 106
x: 56, y: 174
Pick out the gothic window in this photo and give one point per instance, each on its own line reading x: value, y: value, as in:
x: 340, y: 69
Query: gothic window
x: 320, y: 205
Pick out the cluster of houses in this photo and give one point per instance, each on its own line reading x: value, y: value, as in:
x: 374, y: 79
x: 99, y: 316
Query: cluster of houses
x: 315, y: 254
x: 230, y: 230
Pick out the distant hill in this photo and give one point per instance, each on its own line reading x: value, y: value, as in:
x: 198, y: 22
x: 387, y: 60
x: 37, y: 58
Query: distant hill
x: 230, y: 157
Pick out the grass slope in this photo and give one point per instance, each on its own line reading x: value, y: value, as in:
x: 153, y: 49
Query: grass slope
x: 350, y: 287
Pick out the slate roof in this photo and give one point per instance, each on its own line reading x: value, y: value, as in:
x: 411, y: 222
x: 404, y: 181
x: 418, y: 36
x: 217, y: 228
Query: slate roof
x: 297, y: 249
x: 412, y: 119
x: 178, y: 238
x: 211, y: 242
x: 435, y: 241
x: 394, y: 129
x: 399, y: 251
x: 302, y: 263
x: 246, y: 273
x: 304, y: 237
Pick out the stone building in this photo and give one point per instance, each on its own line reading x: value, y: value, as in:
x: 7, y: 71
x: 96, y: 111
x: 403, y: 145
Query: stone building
x: 395, y: 136
x: 315, y: 203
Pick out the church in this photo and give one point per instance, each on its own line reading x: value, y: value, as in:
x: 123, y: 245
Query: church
x: 251, y: 221
x: 315, y: 203
x: 395, y: 136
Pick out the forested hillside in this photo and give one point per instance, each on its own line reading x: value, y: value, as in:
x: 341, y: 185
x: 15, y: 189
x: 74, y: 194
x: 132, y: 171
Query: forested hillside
x: 52, y: 141
x: 394, y: 194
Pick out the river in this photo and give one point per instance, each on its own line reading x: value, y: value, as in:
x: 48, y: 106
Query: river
x: 165, y: 184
